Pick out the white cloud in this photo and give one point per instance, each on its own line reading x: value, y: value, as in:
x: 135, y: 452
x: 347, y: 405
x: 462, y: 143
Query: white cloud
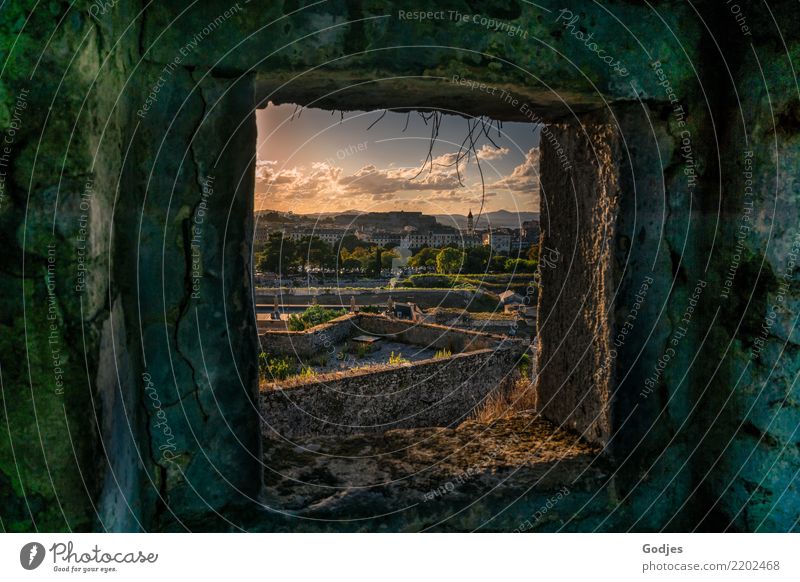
x: 525, y: 177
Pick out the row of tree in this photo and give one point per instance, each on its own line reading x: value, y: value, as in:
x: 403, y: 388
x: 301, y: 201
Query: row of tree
x: 285, y: 256
x: 449, y: 260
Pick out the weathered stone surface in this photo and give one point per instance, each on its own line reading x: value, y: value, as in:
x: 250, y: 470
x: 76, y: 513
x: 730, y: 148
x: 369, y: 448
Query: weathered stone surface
x: 721, y: 446
x: 436, y: 392
x: 517, y: 474
x: 579, y: 210
x: 187, y: 304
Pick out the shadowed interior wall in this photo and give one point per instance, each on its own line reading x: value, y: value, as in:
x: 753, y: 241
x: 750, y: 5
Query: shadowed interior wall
x: 188, y: 307
x: 90, y: 457
x: 578, y: 217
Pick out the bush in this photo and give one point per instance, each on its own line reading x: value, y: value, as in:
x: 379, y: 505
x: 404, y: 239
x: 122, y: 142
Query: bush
x: 275, y: 368
x: 520, y: 266
x: 313, y: 316
x: 524, y: 365
x: 432, y: 281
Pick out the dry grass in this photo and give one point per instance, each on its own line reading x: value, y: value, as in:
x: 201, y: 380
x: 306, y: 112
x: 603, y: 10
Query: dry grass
x: 507, y: 401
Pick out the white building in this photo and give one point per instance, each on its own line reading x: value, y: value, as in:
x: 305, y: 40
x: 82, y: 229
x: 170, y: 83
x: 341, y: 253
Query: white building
x: 499, y: 240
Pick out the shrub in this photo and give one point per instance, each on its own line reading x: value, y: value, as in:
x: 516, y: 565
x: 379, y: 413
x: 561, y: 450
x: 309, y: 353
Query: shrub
x: 520, y: 266
x: 506, y: 401
x: 524, y: 366
x: 275, y: 368
x: 313, y: 316
x: 432, y: 281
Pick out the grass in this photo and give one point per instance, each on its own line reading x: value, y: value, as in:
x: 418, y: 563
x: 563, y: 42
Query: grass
x: 442, y: 354
x: 282, y: 369
x: 506, y: 402
x: 395, y: 360
x: 306, y: 373
x: 362, y: 351
x: 313, y: 316
x: 275, y: 368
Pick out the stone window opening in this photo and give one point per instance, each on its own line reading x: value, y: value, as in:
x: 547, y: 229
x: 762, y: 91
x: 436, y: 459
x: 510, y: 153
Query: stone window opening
x: 316, y: 427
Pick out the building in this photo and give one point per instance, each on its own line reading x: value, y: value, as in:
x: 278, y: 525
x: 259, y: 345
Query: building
x: 380, y: 238
x: 530, y: 231
x: 499, y: 240
x: 439, y: 238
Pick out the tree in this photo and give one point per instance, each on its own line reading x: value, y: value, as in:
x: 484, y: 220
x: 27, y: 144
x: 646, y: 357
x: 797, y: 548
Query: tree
x: 279, y: 255
x: 362, y: 255
x: 349, y: 242
x: 425, y: 257
x: 449, y: 260
x: 387, y: 257
x: 477, y: 259
x: 318, y: 253
x: 376, y: 266
x: 350, y: 265
x: 533, y: 253
x: 519, y: 266
x: 497, y: 264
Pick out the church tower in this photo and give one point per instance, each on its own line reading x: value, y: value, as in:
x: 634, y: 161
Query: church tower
x: 470, y: 224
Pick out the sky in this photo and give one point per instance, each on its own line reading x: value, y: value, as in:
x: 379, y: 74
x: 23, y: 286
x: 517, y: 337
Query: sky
x: 318, y: 162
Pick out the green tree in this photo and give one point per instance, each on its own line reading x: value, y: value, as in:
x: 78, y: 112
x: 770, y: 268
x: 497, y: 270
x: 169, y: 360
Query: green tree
x: 449, y: 260
x: 477, y: 259
x: 319, y: 254
x: 376, y: 266
x: 497, y: 264
x: 425, y: 257
x: 362, y: 255
x: 519, y: 266
x: 387, y: 256
x: 279, y: 255
x: 350, y: 265
x: 349, y: 242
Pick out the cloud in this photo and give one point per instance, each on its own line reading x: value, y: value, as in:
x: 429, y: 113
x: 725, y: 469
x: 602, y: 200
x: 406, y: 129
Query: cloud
x: 377, y: 182
x: 489, y: 152
x: 320, y: 182
x: 324, y: 185
x: 525, y: 177
x: 486, y: 152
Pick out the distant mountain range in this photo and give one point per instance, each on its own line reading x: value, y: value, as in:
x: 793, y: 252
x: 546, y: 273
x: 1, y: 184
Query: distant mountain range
x: 497, y: 218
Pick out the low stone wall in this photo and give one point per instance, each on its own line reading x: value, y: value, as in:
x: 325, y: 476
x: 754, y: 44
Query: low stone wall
x: 429, y: 335
x: 435, y: 392
x: 311, y: 342
x: 271, y: 325
x: 308, y: 343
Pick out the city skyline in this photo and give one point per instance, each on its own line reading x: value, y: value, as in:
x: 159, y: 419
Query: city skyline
x: 370, y: 162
